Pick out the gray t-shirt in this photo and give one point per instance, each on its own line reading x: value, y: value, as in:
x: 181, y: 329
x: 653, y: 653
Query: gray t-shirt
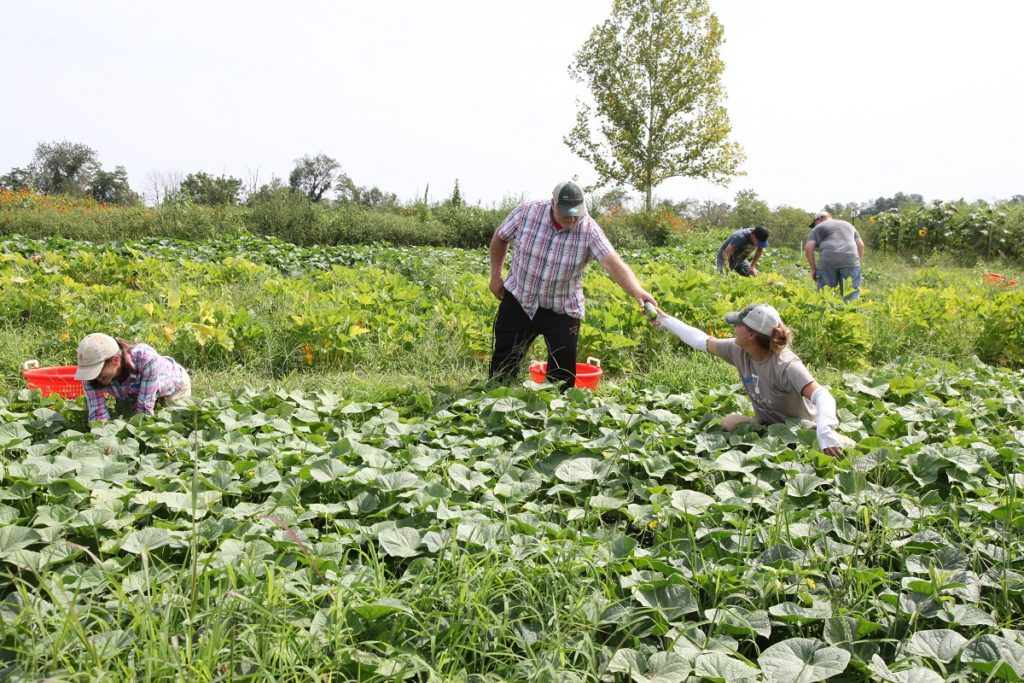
x: 837, y: 246
x: 741, y: 246
x: 773, y: 384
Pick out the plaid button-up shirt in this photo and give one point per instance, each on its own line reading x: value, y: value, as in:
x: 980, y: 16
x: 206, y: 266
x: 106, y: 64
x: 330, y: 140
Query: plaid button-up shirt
x: 150, y: 376
x: 547, y: 263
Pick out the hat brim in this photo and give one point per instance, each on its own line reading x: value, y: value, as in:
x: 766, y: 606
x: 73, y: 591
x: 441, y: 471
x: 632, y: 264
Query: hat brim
x: 734, y: 318
x: 763, y: 245
x: 572, y: 209
x: 87, y: 373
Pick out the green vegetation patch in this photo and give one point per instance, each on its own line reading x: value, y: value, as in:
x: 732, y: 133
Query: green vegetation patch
x: 512, y: 532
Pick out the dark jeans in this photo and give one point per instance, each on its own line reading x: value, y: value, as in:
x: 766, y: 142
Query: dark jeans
x: 742, y: 267
x: 514, y: 331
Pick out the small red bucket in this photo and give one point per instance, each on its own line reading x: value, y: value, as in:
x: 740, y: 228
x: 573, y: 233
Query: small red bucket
x: 58, y: 380
x: 587, y: 374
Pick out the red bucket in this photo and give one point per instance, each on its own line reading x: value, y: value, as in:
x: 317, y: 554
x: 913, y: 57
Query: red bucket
x: 58, y: 380
x: 587, y: 374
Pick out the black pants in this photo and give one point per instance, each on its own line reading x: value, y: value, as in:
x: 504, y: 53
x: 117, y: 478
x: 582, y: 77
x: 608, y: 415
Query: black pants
x: 514, y: 331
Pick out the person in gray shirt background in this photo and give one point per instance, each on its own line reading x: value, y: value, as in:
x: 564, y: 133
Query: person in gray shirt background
x: 737, y: 247
x: 840, y: 254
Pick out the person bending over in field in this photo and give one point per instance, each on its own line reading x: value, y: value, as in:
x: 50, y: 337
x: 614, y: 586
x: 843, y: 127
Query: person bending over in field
x: 778, y: 384
x: 738, y: 246
x: 840, y: 254
x: 128, y: 372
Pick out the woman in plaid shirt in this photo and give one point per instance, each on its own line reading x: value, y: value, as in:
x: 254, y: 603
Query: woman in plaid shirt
x: 128, y: 372
x: 543, y: 292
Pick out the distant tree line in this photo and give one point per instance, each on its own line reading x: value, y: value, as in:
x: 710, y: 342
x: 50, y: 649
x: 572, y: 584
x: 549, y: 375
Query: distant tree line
x: 71, y: 168
x: 788, y: 224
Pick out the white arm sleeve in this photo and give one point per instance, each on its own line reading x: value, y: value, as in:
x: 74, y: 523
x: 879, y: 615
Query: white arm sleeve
x: 825, y: 405
x: 690, y: 335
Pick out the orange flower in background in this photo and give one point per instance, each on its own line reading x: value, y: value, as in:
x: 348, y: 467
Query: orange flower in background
x: 29, y: 199
x: 307, y: 350
x: 922, y: 233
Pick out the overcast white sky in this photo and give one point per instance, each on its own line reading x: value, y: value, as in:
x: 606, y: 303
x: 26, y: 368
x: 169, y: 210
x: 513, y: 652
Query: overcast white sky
x: 832, y: 101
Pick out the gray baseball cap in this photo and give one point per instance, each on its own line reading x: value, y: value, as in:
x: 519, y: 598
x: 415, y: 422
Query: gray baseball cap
x: 758, y: 317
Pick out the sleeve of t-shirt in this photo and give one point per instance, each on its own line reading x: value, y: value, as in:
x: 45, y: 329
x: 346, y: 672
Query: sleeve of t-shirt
x: 739, y: 239
x: 814, y: 236
x: 726, y: 349
x: 727, y: 242
x: 509, y: 227
x: 599, y: 245
x: 95, y: 400
x: 798, y: 375
x: 856, y: 235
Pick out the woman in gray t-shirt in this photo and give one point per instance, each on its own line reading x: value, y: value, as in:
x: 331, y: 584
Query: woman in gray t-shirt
x: 778, y: 384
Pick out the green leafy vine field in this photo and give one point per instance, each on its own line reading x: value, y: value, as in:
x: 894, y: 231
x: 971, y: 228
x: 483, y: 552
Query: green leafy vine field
x: 473, y: 533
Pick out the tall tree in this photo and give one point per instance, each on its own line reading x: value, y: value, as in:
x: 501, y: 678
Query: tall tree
x: 843, y: 210
x: 162, y: 185
x: 64, y: 167
x: 203, y: 188
x: 615, y: 200
x: 313, y: 175
x: 750, y: 210
x: 111, y: 187
x: 18, y: 179
x: 897, y: 201
x: 713, y: 214
x: 788, y: 226
x: 654, y: 73
x: 371, y: 197
x: 456, y: 198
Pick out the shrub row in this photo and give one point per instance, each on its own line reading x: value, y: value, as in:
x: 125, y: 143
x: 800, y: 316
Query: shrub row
x: 292, y: 217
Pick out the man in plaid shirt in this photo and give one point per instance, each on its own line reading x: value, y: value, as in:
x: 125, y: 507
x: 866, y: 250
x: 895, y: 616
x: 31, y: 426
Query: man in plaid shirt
x: 543, y: 292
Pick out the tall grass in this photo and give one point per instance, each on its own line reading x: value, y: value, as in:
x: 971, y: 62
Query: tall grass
x: 440, y: 617
x: 288, y: 216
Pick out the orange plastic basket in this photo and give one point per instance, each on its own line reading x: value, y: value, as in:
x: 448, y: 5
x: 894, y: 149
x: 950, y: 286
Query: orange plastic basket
x: 58, y: 380
x: 587, y: 374
x: 997, y: 280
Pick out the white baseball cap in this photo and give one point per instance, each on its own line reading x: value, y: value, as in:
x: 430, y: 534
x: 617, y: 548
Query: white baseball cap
x: 758, y: 317
x: 820, y: 214
x: 93, y: 352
